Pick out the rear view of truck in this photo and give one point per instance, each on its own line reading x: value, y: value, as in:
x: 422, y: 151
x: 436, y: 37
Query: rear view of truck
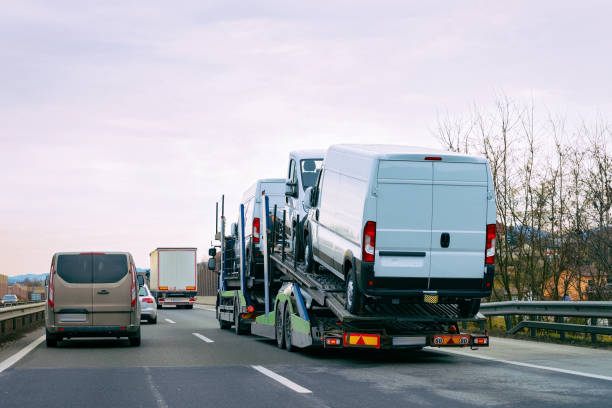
x: 173, y: 277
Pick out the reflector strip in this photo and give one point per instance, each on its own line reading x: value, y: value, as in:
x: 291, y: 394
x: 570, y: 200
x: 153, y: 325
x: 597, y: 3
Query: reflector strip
x: 450, y: 340
x: 361, y: 340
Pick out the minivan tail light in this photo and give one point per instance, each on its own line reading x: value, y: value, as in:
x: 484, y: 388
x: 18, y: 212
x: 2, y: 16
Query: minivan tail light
x: 369, y: 241
x: 490, y: 248
x: 148, y: 300
x: 256, y: 229
x: 133, y: 288
x: 50, y: 296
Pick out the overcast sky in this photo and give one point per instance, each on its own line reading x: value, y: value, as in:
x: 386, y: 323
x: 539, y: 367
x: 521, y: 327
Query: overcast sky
x: 121, y: 123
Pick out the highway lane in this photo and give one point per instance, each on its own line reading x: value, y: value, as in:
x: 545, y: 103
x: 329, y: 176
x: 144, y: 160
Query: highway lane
x: 174, y: 367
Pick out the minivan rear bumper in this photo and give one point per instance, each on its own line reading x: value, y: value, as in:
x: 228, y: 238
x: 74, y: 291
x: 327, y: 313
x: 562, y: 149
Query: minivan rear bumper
x: 417, y: 287
x: 94, y: 331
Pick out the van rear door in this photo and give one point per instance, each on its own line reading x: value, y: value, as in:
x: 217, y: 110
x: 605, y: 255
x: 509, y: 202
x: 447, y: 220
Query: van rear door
x: 73, y: 294
x: 460, y: 213
x: 403, y: 222
x: 111, y: 290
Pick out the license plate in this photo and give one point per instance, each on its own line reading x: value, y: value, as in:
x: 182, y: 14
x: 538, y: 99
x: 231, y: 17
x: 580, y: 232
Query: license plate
x: 408, y: 341
x: 73, y: 317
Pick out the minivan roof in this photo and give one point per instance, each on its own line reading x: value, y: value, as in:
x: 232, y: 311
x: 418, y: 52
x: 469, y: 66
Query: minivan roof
x: 92, y: 252
x: 400, y: 152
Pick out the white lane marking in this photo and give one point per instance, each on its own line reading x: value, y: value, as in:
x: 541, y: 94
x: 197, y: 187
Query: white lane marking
x: 170, y: 321
x: 285, y: 381
x: 201, y: 337
x: 161, y: 402
x: 520, y: 364
x: 21, y: 353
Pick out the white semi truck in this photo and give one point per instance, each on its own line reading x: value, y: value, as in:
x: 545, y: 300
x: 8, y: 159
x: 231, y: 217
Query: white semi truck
x: 173, y: 278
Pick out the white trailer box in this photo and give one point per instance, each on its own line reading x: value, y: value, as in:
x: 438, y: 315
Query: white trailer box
x: 173, y: 279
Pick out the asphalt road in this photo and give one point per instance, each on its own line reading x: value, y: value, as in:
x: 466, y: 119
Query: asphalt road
x: 175, y: 368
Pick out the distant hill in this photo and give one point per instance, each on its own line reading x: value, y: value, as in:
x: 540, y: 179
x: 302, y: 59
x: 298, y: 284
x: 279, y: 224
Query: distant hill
x: 30, y: 276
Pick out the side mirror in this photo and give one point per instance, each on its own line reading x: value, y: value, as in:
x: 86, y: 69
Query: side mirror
x: 212, y: 252
x: 212, y: 264
x: 47, y: 280
x: 308, y: 198
x: 291, y: 190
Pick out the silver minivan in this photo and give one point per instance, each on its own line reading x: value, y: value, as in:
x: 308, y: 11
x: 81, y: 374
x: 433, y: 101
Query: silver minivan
x: 404, y: 224
x: 92, y: 294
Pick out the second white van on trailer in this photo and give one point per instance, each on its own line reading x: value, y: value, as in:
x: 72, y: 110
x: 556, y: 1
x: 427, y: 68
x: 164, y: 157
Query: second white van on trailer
x: 404, y: 224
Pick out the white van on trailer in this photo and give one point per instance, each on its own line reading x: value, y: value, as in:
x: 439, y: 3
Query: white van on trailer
x: 304, y: 169
x: 251, y: 199
x: 404, y: 225
x: 173, y: 277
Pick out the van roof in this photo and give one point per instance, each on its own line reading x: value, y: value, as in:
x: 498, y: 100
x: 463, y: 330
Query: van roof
x: 308, y: 154
x: 400, y: 152
x: 92, y: 252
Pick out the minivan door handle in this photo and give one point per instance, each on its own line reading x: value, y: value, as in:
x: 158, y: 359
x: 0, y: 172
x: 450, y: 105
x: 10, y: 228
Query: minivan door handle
x: 103, y: 292
x: 445, y: 240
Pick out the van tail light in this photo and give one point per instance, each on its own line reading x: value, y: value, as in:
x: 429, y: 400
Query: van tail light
x: 490, y: 248
x: 133, y: 288
x: 369, y: 241
x: 50, y: 296
x: 256, y: 229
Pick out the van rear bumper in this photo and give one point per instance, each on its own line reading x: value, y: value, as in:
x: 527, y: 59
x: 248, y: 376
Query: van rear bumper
x: 94, y: 331
x: 417, y: 287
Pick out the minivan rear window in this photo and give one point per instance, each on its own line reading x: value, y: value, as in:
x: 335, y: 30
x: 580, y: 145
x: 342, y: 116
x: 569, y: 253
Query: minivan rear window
x: 75, y: 268
x: 109, y: 268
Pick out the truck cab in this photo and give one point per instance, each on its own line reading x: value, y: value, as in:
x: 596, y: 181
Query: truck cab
x: 303, y: 172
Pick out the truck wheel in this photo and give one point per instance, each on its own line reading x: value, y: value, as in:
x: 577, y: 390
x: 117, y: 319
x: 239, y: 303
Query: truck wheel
x: 237, y: 326
x: 353, y: 296
x: 287, y: 329
x: 280, y: 331
x: 135, y: 340
x: 51, y: 339
x: 309, y: 262
x: 223, y: 325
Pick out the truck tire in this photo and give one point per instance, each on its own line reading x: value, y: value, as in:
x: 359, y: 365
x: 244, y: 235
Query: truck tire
x: 287, y: 329
x: 135, y: 339
x: 279, y: 326
x: 223, y: 325
x: 238, y: 329
x: 51, y: 339
x: 353, y: 295
x: 309, y: 262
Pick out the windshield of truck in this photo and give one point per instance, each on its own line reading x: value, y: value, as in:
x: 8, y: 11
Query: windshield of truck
x: 310, y: 169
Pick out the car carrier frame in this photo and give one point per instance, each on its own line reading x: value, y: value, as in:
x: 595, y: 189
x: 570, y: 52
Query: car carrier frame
x: 299, y: 309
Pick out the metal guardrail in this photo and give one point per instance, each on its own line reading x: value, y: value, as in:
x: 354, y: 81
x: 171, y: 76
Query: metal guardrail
x: 7, y: 305
x: 21, y: 310
x: 557, y: 309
